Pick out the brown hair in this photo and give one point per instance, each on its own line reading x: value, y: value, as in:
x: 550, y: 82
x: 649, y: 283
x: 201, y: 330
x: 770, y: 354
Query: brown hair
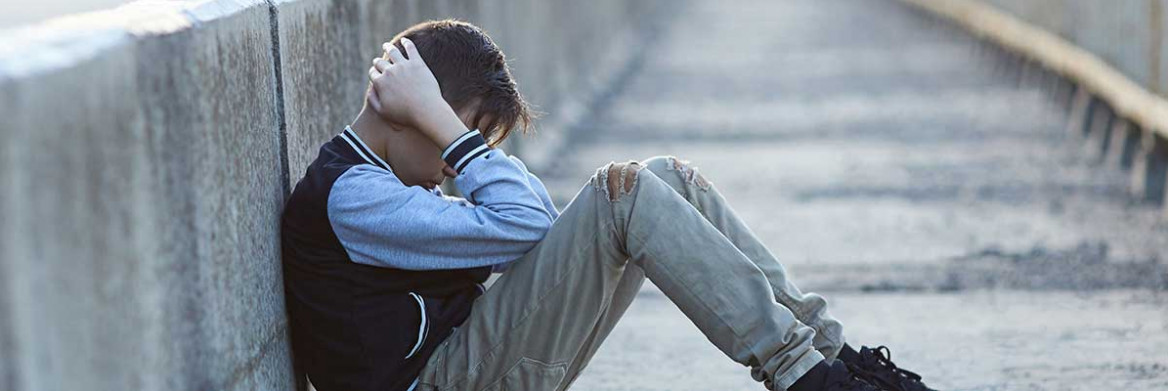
x: 472, y: 73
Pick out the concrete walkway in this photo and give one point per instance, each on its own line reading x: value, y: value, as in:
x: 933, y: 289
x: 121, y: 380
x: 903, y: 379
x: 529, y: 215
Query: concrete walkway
x: 890, y: 162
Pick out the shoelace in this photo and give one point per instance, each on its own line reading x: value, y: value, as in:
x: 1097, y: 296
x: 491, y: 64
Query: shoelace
x: 882, y: 356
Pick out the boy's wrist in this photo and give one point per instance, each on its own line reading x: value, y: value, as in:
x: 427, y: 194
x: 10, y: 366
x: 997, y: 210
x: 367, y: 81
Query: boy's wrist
x: 441, y: 124
x: 461, y: 151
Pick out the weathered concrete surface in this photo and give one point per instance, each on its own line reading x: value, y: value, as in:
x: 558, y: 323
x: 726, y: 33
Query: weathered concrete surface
x: 46, y: 286
x: 894, y: 165
x: 228, y: 197
x: 142, y: 189
x: 322, y: 71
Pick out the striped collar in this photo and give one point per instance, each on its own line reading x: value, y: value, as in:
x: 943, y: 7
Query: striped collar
x: 363, y: 150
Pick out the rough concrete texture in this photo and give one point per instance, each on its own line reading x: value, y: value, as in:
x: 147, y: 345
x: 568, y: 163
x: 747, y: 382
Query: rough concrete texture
x: 322, y: 70
x: 150, y: 149
x: 142, y: 190
x: 893, y: 163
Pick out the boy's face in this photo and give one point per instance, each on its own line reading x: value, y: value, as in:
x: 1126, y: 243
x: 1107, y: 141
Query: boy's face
x: 418, y: 161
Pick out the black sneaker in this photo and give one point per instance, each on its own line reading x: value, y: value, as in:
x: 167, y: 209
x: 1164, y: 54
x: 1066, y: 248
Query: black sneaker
x: 875, y: 366
x: 839, y: 378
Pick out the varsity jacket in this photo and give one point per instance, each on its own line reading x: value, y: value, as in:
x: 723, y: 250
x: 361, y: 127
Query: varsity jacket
x: 378, y: 273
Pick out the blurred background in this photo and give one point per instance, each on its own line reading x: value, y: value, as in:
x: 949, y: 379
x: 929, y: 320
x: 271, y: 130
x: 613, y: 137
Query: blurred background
x: 978, y: 184
x: 20, y: 13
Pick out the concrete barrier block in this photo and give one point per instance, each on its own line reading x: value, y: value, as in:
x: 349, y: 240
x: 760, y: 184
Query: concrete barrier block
x: 209, y: 96
x: 145, y: 217
x: 1079, y: 115
x: 1149, y: 168
x: 1125, y: 141
x: 1098, y: 132
x: 78, y: 286
x: 323, y: 73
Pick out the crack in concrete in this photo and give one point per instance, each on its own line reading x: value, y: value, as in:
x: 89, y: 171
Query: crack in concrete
x: 274, y: 25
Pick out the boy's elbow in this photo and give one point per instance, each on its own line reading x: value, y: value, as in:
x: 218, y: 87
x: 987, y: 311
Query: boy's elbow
x: 543, y: 225
x: 525, y: 226
x: 538, y: 226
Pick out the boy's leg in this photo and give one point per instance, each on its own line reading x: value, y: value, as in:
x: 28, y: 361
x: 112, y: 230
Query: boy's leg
x: 549, y: 309
x: 809, y: 308
x: 626, y: 290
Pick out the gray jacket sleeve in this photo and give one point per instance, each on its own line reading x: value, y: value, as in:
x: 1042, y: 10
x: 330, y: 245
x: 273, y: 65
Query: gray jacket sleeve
x: 382, y: 222
x: 539, y: 188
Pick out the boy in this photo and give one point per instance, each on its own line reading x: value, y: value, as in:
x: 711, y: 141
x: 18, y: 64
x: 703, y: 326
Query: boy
x: 383, y: 272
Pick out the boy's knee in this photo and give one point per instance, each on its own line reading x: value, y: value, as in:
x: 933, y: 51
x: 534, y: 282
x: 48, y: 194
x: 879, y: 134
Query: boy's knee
x: 617, y: 179
x: 668, y: 166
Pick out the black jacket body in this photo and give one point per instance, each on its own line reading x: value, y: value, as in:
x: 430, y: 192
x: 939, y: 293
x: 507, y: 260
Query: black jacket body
x: 353, y: 325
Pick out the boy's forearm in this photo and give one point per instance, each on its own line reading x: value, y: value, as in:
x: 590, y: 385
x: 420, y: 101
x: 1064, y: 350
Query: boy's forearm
x: 441, y: 124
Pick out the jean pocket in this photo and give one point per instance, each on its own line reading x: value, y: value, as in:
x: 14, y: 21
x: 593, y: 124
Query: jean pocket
x: 531, y: 375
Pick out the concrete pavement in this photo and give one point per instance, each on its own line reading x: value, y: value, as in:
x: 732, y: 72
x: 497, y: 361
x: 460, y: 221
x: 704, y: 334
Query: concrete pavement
x: 893, y: 165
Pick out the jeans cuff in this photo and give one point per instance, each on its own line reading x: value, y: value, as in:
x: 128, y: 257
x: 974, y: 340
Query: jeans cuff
x: 784, y: 380
x: 836, y: 347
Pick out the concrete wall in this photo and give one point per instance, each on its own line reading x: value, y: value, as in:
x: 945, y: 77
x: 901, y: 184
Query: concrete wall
x: 1128, y: 34
x: 148, y: 151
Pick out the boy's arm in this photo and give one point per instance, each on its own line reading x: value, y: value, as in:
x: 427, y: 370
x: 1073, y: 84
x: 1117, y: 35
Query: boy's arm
x: 382, y: 222
x: 537, y: 185
x: 534, y: 181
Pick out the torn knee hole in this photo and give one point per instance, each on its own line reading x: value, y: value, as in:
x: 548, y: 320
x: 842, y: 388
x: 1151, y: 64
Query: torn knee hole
x: 688, y: 173
x: 618, y: 179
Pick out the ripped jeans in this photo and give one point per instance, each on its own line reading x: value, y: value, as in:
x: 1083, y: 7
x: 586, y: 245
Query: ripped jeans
x: 542, y: 321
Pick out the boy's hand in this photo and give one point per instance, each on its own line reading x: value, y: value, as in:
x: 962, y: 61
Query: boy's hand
x: 405, y: 92
x: 449, y: 171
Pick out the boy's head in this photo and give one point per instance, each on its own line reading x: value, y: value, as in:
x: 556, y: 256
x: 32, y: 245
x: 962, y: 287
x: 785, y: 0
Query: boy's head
x: 473, y: 75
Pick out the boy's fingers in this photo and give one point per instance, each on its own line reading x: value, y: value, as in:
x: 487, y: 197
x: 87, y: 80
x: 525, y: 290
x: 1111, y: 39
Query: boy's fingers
x: 395, y: 55
x: 381, y: 64
x: 449, y: 171
x: 371, y: 97
x: 374, y: 73
x: 411, y: 50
